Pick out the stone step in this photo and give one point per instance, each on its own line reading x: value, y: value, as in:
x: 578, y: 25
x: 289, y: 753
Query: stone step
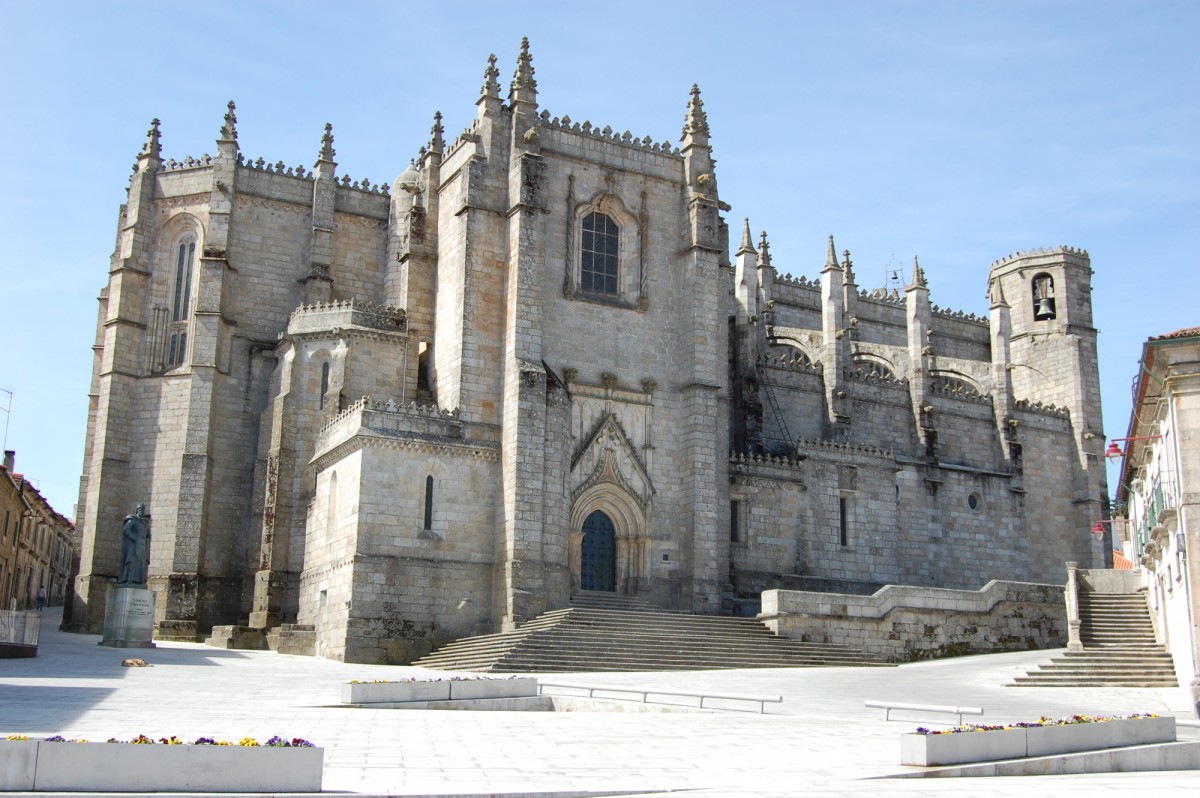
x: 635, y: 638
x: 1119, y: 648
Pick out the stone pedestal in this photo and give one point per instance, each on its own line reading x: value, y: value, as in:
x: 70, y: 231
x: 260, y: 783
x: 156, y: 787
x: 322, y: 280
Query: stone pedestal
x: 129, y: 618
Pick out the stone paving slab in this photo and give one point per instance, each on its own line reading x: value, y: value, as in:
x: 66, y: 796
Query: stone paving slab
x: 821, y: 740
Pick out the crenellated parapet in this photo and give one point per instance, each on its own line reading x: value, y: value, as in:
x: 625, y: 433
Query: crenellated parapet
x: 606, y: 133
x: 278, y: 168
x: 799, y: 364
x: 341, y: 314
x: 960, y: 315
x: 956, y: 389
x: 839, y: 447
x: 172, y: 165
x: 1043, y: 408
x: 800, y: 282
x: 1030, y: 253
x: 881, y: 296
x: 876, y: 376
x: 374, y: 422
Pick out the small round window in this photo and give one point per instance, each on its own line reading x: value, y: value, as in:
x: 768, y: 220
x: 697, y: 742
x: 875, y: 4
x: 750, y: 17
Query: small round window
x: 973, y: 501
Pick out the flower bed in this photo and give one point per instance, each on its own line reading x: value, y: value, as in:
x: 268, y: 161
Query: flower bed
x: 401, y: 692
x: 1044, y: 737
x: 142, y: 765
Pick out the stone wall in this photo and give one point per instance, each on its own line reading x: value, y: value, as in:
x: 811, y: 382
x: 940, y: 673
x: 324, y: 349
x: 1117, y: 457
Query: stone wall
x: 904, y: 624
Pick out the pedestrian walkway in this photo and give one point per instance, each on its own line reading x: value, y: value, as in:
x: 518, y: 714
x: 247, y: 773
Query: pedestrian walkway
x: 820, y: 741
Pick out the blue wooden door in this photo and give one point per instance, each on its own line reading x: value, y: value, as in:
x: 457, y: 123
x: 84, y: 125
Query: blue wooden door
x: 598, y: 561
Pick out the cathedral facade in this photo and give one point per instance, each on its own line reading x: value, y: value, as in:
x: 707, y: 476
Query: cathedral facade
x: 406, y: 414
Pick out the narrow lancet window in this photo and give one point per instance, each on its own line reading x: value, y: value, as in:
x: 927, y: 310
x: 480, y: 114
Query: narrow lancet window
x: 428, y: 526
x: 181, y: 297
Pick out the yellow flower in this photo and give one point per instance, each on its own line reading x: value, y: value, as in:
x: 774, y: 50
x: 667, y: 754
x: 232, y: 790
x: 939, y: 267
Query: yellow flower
x: 18, y: 737
x: 248, y: 741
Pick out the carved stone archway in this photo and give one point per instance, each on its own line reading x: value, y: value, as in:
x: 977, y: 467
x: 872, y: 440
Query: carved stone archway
x: 630, y: 525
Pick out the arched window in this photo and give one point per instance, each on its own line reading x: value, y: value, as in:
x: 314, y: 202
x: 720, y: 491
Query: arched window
x: 1043, y: 297
x: 600, y: 251
x: 181, y: 297
x: 324, y: 385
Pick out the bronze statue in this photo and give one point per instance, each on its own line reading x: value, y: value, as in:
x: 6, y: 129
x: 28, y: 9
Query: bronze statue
x: 135, y: 549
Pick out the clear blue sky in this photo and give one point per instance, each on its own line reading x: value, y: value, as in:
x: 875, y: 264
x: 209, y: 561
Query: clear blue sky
x: 956, y: 131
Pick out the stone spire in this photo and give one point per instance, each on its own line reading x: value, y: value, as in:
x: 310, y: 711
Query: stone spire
x: 327, y: 151
x: 831, y: 261
x: 747, y: 246
x: 524, y: 87
x: 695, y: 124
x: 918, y: 274
x: 153, y: 146
x: 229, y: 129
x: 491, y: 83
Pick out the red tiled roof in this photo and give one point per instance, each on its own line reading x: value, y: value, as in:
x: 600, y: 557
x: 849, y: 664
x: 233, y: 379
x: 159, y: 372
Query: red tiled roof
x: 1121, y: 562
x: 1186, y: 332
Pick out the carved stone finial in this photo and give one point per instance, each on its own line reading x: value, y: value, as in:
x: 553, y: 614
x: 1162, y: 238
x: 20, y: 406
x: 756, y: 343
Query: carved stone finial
x: 327, y: 151
x: 436, y: 142
x: 609, y: 380
x: 649, y: 386
x: 831, y: 260
x: 696, y: 121
x: 747, y: 246
x: 491, y: 83
x: 848, y: 267
x: 764, y: 250
x: 524, y: 87
x: 153, y: 146
x: 229, y: 129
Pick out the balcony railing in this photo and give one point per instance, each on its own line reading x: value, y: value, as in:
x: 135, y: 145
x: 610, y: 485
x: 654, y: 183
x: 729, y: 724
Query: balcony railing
x: 1162, y: 496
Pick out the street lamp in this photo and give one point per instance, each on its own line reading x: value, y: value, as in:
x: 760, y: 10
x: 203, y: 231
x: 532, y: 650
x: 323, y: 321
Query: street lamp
x: 1114, y: 452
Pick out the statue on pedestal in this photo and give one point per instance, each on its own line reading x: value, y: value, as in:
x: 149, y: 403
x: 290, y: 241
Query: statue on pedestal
x: 135, y: 549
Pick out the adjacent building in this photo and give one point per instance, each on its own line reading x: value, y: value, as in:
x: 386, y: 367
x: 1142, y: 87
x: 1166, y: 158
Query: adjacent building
x: 406, y: 413
x: 1159, y: 493
x: 36, y: 543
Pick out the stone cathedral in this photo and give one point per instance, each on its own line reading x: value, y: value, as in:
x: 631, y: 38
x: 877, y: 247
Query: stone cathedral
x: 405, y: 414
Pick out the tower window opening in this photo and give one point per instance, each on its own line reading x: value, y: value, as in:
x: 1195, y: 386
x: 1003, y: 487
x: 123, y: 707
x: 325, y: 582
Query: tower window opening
x: 1043, y: 298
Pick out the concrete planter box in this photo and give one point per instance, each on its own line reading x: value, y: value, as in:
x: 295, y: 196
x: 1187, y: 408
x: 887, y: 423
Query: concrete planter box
x: 1047, y: 740
x: 117, y: 767
x: 18, y: 762
x: 493, y: 688
x: 951, y: 749
x: 395, y: 692
x: 987, y: 746
x: 462, y: 690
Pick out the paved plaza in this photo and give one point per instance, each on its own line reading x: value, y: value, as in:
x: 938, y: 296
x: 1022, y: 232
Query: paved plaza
x: 820, y: 741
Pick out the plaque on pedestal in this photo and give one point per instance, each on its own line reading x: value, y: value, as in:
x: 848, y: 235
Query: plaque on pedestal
x: 129, y: 618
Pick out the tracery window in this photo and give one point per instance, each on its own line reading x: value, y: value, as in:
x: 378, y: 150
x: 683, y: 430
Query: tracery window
x: 600, y: 254
x: 181, y: 297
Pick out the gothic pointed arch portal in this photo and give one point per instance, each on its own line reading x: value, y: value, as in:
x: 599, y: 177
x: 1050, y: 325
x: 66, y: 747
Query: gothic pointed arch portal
x: 598, y: 554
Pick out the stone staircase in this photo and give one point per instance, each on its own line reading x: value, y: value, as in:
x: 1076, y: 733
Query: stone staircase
x: 607, y: 632
x: 1119, y: 648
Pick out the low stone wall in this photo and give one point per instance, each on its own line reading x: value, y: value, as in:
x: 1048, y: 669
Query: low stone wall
x: 903, y: 624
